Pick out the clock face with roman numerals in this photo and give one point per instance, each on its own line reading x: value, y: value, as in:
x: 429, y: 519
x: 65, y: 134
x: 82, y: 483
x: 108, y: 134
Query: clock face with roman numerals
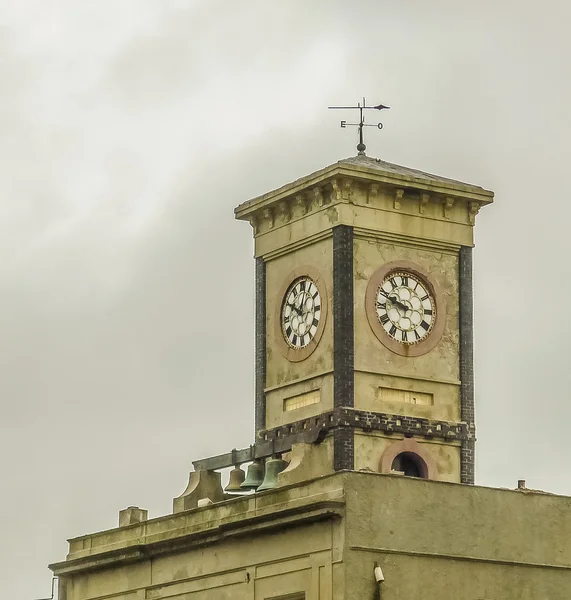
x: 301, y: 313
x: 405, y: 308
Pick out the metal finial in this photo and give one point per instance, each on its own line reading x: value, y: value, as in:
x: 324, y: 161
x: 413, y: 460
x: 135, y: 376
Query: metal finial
x: 361, y: 145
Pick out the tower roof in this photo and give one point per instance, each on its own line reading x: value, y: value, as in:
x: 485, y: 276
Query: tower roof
x: 380, y: 166
x: 372, y: 170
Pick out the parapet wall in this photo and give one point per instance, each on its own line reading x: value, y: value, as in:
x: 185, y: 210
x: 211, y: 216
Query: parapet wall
x: 320, y: 540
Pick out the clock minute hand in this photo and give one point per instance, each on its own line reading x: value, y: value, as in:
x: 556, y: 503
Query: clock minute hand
x: 298, y: 310
x: 397, y: 303
x: 302, y: 304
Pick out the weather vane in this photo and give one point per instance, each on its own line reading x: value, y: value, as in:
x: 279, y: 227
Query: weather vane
x: 361, y: 145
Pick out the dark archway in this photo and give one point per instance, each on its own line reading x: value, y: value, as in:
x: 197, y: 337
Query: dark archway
x: 411, y: 464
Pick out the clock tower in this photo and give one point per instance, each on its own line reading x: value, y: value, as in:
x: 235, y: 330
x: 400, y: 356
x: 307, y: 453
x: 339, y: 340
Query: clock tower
x: 364, y: 316
x: 363, y: 367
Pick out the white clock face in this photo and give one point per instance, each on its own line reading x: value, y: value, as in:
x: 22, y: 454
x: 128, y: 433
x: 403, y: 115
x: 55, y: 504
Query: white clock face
x: 301, y: 312
x: 405, y: 308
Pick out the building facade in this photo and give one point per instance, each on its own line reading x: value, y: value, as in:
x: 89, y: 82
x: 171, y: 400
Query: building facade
x: 365, y: 433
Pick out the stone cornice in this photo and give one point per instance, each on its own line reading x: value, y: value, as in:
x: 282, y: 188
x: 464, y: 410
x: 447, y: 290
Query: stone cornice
x: 198, y: 527
x: 341, y: 182
x: 315, y: 428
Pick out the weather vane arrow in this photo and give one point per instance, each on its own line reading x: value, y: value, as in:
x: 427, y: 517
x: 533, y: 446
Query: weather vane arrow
x: 361, y: 107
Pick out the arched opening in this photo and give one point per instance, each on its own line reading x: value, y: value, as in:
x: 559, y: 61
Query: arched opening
x: 408, y: 457
x: 411, y: 464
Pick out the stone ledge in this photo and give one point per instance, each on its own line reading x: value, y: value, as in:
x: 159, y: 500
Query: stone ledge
x: 273, y: 521
x: 314, y: 429
x: 267, y: 511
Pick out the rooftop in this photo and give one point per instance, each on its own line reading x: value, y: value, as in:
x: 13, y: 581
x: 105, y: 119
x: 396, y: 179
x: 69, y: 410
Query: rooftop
x: 372, y: 170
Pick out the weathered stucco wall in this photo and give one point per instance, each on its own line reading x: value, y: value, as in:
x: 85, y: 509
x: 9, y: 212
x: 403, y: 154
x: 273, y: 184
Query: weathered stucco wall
x: 237, y: 570
x: 383, y: 393
x: 315, y: 372
x: 440, y: 541
x: 440, y: 364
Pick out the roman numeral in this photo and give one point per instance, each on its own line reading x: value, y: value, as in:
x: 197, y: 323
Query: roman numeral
x: 380, y: 305
x: 393, y: 330
x: 384, y: 319
x: 416, y: 335
x: 428, y: 311
x: 315, y: 322
x: 288, y: 331
x: 393, y: 283
x: 425, y: 326
x: 405, y: 280
x: 317, y: 307
x: 404, y: 336
x: 294, y: 340
x: 424, y: 297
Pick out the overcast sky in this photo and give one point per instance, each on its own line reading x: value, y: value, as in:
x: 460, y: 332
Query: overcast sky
x: 129, y: 130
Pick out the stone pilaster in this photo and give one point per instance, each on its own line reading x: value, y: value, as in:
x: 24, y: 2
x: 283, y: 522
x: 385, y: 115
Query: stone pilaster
x: 343, y: 340
x: 260, y: 333
x: 466, y: 316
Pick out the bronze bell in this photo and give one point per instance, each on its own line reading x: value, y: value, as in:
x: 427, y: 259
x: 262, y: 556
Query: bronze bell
x: 237, y: 477
x: 274, y: 466
x: 254, y: 476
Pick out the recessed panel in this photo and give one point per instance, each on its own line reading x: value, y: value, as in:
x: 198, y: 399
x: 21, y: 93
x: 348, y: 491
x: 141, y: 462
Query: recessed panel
x: 294, y: 402
x: 385, y: 394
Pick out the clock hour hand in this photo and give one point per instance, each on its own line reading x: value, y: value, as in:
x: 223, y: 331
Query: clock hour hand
x: 394, y: 300
x: 297, y: 310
